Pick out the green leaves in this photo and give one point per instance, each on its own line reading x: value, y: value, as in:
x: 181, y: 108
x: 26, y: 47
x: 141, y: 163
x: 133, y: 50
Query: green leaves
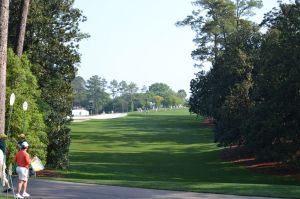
x: 277, y: 86
x: 51, y: 44
x: 252, y: 90
x: 96, y: 93
x: 23, y: 83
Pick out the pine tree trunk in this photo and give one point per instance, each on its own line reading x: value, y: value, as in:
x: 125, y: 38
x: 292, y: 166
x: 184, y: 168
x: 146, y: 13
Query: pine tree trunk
x: 22, y: 28
x: 4, y: 13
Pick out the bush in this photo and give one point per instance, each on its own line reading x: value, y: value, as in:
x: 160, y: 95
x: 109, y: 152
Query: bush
x: 23, y: 83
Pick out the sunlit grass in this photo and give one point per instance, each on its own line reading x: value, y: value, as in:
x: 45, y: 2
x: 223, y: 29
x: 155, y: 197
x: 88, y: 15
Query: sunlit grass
x: 163, y: 150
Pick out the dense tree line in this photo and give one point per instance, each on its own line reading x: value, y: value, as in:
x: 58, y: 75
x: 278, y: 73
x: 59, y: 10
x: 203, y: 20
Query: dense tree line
x: 97, y: 95
x: 44, y: 35
x: 253, y: 88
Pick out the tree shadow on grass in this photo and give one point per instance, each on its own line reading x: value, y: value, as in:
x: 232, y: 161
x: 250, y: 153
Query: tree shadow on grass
x: 161, y: 166
x: 160, y: 148
x: 177, y: 129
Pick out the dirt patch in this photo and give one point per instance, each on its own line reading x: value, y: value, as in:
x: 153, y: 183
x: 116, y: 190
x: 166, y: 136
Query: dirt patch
x: 238, y: 155
x: 49, y: 173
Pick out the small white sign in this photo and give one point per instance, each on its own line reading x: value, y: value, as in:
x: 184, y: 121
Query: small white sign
x: 12, y: 99
x: 25, y: 106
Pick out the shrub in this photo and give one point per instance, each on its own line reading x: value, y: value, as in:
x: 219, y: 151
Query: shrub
x: 23, y: 83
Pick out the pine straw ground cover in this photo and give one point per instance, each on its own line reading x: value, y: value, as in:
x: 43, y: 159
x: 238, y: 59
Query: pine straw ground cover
x: 164, y: 150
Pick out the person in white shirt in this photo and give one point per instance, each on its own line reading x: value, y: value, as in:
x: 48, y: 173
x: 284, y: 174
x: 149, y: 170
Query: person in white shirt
x: 3, y: 176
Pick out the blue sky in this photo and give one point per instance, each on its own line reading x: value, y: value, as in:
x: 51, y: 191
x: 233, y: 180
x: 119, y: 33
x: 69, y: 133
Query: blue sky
x: 137, y: 41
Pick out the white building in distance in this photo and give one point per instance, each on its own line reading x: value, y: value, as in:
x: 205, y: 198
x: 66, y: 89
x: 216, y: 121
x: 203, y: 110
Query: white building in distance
x: 80, y: 112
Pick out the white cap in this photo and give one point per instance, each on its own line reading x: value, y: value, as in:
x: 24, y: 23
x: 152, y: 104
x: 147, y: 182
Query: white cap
x: 25, y: 144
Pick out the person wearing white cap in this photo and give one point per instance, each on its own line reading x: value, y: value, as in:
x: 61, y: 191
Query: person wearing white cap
x: 23, y: 161
x: 22, y: 138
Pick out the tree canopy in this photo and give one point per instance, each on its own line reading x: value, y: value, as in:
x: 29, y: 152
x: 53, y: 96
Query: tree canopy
x: 252, y: 89
x: 51, y: 46
x: 123, y: 96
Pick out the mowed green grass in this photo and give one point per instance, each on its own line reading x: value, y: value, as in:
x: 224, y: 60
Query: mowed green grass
x: 163, y: 150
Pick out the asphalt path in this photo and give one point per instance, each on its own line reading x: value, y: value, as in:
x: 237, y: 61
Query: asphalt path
x: 44, y: 189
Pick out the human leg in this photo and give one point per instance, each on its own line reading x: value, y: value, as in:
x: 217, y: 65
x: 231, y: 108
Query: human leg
x: 25, y: 194
x: 25, y: 186
x: 6, y: 186
x: 26, y: 176
x: 19, y: 186
x: 22, y: 183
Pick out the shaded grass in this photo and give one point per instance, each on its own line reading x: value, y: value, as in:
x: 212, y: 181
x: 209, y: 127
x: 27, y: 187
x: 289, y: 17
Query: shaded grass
x: 163, y: 150
x: 3, y: 196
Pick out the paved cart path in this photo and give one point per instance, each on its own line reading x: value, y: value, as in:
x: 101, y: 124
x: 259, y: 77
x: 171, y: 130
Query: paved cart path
x: 44, y: 189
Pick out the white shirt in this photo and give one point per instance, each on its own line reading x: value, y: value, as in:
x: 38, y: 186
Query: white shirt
x: 1, y: 156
